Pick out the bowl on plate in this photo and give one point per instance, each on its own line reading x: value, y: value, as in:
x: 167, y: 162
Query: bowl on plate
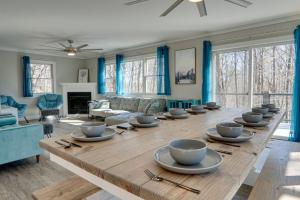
x: 177, y: 111
x: 252, y: 117
x: 260, y: 110
x: 93, y: 129
x: 269, y: 105
x: 145, y: 119
x: 211, y: 104
x: 230, y: 129
x: 187, y: 151
x: 197, y: 107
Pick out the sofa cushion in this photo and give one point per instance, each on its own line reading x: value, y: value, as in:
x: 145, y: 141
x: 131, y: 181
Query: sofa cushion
x: 144, y: 103
x: 129, y: 104
x: 157, y: 105
x: 99, y: 112
x: 115, y: 103
x: 119, y: 119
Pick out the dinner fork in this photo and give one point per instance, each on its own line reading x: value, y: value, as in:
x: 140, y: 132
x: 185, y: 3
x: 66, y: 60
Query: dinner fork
x: 159, y: 179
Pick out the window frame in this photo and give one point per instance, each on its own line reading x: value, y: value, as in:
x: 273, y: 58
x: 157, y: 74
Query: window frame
x: 110, y: 62
x: 248, y: 46
x: 53, y: 72
x: 143, y: 58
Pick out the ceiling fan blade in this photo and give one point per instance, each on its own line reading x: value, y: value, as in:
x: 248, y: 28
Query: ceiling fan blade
x: 48, y: 50
x: 134, y: 2
x: 47, y: 46
x: 201, y: 8
x: 242, y: 3
x: 81, y: 50
x: 61, y: 44
x: 172, y: 7
x: 82, y: 46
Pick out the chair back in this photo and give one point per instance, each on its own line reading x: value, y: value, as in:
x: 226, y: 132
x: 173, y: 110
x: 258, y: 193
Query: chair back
x: 50, y: 101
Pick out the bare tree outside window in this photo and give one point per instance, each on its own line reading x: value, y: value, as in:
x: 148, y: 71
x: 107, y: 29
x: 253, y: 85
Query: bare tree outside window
x: 110, y: 78
x: 42, y: 78
x: 273, y: 72
x: 140, y: 76
x: 232, y: 79
x: 273, y: 68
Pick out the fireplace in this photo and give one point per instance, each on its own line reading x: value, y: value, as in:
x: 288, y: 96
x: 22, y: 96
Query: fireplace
x: 78, y: 102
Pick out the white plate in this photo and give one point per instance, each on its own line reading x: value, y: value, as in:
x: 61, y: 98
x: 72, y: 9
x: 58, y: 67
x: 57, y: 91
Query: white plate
x: 135, y: 123
x: 259, y: 124
x: 195, y: 111
x: 107, y: 134
x: 212, y: 108
x: 184, y: 116
x: 210, y: 163
x: 246, y: 135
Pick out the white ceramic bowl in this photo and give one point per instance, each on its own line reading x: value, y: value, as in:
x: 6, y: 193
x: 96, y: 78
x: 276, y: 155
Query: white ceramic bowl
x: 229, y: 129
x: 93, y: 129
x: 177, y: 111
x: 145, y: 119
x: 252, y: 117
x: 260, y: 110
x: 197, y: 107
x: 211, y: 104
x: 269, y: 105
x: 187, y: 151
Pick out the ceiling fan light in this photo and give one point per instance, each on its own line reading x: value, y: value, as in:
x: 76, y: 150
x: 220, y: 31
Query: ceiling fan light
x: 195, y: 1
x: 71, y: 53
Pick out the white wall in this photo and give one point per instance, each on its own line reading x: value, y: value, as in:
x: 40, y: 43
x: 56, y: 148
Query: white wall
x: 228, y: 37
x: 11, y: 75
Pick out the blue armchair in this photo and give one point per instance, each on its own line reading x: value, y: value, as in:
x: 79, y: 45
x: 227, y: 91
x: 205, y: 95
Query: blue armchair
x: 9, y: 101
x: 50, y: 104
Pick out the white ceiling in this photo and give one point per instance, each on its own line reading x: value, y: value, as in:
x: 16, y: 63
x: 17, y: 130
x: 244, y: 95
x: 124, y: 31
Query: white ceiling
x: 109, y: 24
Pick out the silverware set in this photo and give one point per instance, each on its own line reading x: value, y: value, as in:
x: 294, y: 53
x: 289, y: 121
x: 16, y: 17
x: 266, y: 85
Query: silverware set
x: 159, y: 179
x: 223, y: 151
x: 67, y: 144
x: 225, y: 143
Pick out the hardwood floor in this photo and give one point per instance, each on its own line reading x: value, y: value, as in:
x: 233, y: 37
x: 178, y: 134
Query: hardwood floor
x: 19, y: 179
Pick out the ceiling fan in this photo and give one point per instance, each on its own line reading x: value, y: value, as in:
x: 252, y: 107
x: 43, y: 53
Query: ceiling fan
x: 70, y: 49
x: 199, y: 3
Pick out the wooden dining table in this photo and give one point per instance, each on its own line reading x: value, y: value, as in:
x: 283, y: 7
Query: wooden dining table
x: 117, y: 165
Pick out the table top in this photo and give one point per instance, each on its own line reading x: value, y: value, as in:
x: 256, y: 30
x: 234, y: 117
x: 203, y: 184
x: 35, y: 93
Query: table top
x: 123, y: 159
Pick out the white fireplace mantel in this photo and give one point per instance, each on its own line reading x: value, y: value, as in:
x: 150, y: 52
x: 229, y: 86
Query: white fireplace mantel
x: 76, y: 87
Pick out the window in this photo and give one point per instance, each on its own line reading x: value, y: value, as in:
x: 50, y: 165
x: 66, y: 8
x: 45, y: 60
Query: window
x: 242, y: 76
x: 150, y: 76
x: 273, y: 71
x: 140, y: 75
x: 42, y: 77
x: 110, y: 78
x: 232, y: 78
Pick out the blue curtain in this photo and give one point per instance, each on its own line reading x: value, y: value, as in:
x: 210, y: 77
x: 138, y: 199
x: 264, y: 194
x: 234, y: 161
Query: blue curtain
x: 27, y: 78
x: 206, y: 73
x: 295, y: 125
x: 101, y: 76
x: 119, y: 74
x: 163, y: 71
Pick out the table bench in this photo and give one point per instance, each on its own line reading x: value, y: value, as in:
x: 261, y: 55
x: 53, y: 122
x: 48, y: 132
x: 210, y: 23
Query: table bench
x: 74, y: 188
x: 280, y: 176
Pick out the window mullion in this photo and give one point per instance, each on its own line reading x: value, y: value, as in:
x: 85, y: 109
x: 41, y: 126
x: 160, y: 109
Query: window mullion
x: 250, y: 78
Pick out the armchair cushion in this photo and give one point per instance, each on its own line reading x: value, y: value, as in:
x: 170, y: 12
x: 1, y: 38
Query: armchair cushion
x: 7, y: 120
x: 50, y: 101
x: 9, y: 101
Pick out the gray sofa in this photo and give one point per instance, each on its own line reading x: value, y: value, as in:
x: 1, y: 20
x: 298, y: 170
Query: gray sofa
x: 117, y: 110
